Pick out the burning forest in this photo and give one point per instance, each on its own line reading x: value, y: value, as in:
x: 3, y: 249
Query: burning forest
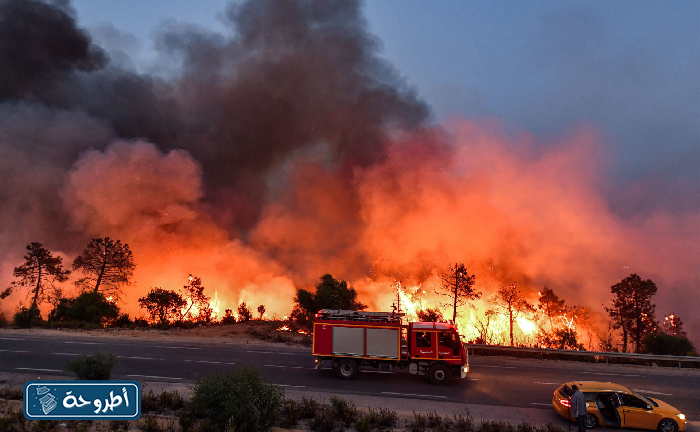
x: 287, y: 148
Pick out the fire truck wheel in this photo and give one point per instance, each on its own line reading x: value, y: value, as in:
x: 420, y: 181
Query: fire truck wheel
x: 346, y: 369
x: 439, y: 374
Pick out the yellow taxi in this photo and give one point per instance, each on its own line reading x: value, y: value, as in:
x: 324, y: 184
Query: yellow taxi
x: 610, y: 404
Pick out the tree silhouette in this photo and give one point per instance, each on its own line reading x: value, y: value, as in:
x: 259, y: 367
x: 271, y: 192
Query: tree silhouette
x: 430, y: 315
x: 40, y: 271
x: 194, y: 297
x: 550, y: 304
x: 329, y: 294
x: 163, y: 305
x: 244, y: 312
x: 511, y: 301
x: 106, y: 265
x: 632, y: 310
x: 458, y: 285
x: 261, y: 311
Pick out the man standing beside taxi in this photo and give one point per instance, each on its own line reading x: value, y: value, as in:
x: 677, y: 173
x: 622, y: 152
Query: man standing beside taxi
x: 578, y: 408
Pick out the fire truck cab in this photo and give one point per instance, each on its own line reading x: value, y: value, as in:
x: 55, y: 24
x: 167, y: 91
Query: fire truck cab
x: 354, y: 339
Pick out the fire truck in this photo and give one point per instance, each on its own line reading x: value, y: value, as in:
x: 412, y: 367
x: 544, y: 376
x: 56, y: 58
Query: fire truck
x: 354, y: 339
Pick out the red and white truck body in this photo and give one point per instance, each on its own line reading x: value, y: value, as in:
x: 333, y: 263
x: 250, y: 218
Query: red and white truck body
x: 352, y: 339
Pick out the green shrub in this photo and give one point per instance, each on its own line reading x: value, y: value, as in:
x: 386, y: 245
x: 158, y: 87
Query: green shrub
x: 344, y: 411
x: 363, y: 424
x: 418, y: 424
x: 237, y: 399
x: 150, y: 424
x: 26, y: 318
x: 324, y: 421
x: 162, y: 402
x: 141, y: 323
x: 118, y: 425
x: 14, y: 393
x: 89, y: 307
x: 382, y: 419
x: 495, y: 426
x: 92, y: 367
x: 291, y: 413
x: 3, y: 320
x: 661, y: 343
x: 124, y: 320
x: 464, y: 423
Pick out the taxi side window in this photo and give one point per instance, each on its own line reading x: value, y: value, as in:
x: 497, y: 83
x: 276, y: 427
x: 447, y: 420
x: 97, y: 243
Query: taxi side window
x: 590, y: 397
x: 634, y: 402
x: 423, y: 340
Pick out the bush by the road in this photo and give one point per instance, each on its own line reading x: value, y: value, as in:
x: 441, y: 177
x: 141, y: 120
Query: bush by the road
x: 25, y: 318
x: 88, y: 308
x: 3, y: 320
x: 237, y: 400
x: 661, y: 343
x: 92, y: 367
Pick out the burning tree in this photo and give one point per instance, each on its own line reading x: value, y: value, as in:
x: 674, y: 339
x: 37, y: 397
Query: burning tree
x: 261, y: 312
x: 509, y: 299
x: 106, y: 265
x: 458, y: 285
x: 632, y: 310
x: 244, y: 312
x: 551, y: 305
x: 40, y: 271
x: 430, y: 315
x: 674, y: 325
x: 196, y: 302
x: 163, y: 305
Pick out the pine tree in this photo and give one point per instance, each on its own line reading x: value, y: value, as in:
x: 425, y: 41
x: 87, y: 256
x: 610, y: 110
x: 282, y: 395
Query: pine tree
x: 40, y: 271
x: 458, y: 286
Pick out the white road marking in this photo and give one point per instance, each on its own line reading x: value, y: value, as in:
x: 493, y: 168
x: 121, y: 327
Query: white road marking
x: 543, y: 404
x: 176, y: 347
x: 84, y: 343
x: 154, y: 376
x: 472, y: 379
x: 413, y: 394
x: 42, y: 370
x: 270, y: 352
x: 373, y: 371
x: 545, y: 383
x: 287, y: 385
x: 232, y: 363
x: 14, y: 351
x: 296, y: 367
x: 608, y: 374
x: 277, y: 366
x: 502, y: 367
x: 70, y: 354
x: 13, y: 339
x: 204, y: 361
x: 140, y: 358
x: 652, y: 392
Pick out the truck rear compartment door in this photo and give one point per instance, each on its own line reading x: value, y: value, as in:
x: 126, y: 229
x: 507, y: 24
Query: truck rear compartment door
x: 383, y: 343
x: 348, y: 341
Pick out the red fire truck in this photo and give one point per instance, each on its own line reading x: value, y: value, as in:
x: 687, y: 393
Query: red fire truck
x: 352, y: 339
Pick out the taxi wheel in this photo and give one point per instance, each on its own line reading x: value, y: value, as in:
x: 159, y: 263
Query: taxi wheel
x: 346, y: 369
x: 667, y: 425
x: 591, y: 421
x: 439, y: 374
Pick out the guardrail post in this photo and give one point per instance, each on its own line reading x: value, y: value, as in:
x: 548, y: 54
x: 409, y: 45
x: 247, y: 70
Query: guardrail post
x: 606, y: 360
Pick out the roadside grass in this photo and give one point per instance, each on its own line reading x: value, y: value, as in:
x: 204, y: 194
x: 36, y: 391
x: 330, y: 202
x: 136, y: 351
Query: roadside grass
x: 225, y: 402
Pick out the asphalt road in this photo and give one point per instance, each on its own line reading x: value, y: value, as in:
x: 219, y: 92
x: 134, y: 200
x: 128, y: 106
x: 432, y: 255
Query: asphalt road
x: 493, y: 381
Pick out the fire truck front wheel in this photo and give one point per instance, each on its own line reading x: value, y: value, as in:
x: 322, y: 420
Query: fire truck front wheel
x: 346, y: 369
x: 439, y: 374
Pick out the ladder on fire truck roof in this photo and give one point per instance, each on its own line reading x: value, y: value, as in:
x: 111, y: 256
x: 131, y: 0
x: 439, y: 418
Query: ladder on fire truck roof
x: 351, y: 315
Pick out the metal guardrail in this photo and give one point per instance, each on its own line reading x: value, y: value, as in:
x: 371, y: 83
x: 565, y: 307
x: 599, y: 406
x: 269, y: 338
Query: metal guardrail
x: 605, y: 354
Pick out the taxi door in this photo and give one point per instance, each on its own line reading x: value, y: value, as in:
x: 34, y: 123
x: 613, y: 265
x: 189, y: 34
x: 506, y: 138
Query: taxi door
x: 637, y: 413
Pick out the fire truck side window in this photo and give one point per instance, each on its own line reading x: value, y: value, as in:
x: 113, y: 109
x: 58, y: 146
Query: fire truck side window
x: 423, y: 340
x: 449, y: 340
